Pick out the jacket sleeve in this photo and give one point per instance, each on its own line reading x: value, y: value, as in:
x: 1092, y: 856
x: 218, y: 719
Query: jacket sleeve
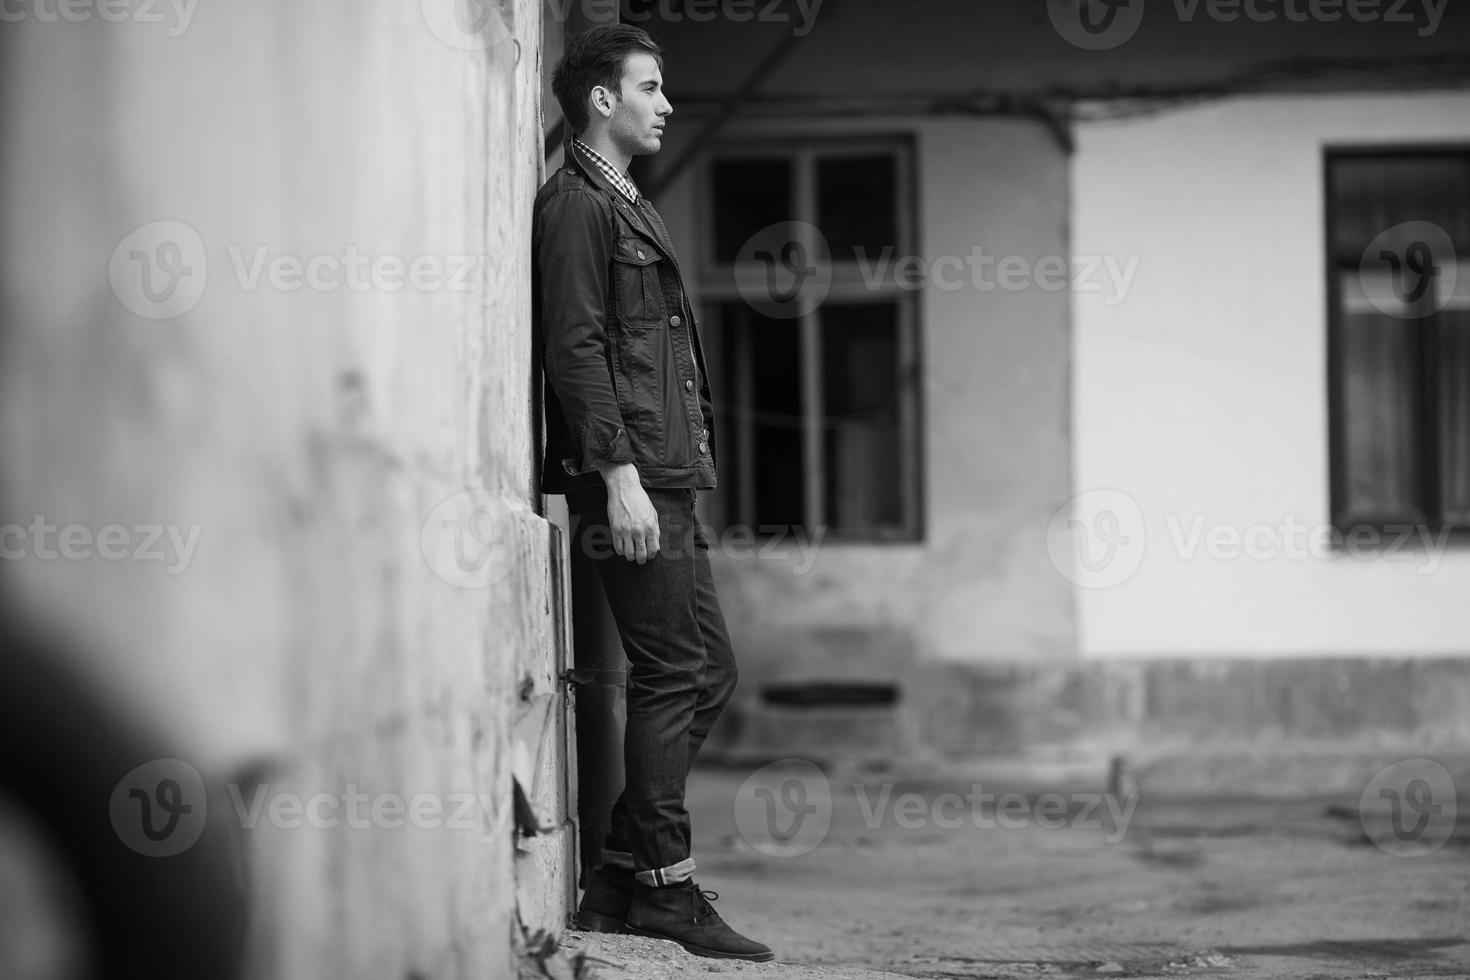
x: 574, y: 251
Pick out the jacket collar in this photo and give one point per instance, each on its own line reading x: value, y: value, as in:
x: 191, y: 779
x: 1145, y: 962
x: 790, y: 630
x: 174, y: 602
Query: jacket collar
x: 635, y: 214
x: 592, y: 171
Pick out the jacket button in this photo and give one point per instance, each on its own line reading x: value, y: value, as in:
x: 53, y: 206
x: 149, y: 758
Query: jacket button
x: 674, y: 321
x: 689, y: 385
x: 640, y: 253
x: 704, y: 448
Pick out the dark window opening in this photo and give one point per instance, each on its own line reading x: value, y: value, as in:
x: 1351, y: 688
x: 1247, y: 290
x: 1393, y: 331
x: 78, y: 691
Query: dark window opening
x: 1399, y: 338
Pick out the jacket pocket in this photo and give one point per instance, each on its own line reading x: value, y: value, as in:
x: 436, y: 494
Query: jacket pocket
x: 638, y: 348
x: 637, y: 274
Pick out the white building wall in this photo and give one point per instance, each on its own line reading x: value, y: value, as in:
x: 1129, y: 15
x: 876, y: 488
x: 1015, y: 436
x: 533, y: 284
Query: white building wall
x: 1202, y: 396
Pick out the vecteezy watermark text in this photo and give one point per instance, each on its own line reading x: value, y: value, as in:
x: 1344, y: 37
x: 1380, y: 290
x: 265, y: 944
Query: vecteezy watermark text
x: 802, y: 13
x: 477, y: 25
x: 1099, y: 540
x: 785, y: 809
x: 470, y: 541
x: 42, y: 540
x: 160, y: 270
x: 1296, y: 540
x: 160, y: 809
x: 177, y: 14
x: 1099, y: 25
x: 738, y: 542
x: 1008, y: 273
x: 787, y: 269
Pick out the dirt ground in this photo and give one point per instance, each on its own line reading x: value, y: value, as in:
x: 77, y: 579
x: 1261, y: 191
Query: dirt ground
x: 928, y: 876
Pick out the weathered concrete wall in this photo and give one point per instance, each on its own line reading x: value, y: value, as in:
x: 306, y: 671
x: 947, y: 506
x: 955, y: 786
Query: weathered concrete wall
x: 309, y: 433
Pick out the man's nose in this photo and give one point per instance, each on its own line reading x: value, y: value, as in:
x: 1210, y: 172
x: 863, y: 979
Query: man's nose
x: 667, y: 109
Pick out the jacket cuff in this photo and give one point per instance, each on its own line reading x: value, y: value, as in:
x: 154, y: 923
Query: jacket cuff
x: 603, y: 443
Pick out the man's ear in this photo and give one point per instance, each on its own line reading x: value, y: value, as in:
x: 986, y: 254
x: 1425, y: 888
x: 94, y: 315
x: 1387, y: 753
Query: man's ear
x: 602, y: 101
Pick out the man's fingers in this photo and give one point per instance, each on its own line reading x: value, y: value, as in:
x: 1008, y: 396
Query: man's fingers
x: 637, y: 546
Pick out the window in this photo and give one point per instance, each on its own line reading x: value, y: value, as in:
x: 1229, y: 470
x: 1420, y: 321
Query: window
x: 816, y: 340
x: 1399, y: 337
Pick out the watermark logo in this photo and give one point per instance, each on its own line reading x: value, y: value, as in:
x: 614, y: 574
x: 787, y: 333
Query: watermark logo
x: 784, y: 271
x: 1097, y: 540
x: 467, y: 25
x: 1096, y: 25
x: 1410, y: 270
x: 1409, y: 808
x: 469, y: 539
x: 159, y: 809
x: 784, y: 809
x: 159, y: 271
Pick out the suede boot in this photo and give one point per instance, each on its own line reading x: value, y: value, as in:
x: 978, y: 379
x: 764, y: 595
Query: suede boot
x: 604, y: 905
x: 683, y: 913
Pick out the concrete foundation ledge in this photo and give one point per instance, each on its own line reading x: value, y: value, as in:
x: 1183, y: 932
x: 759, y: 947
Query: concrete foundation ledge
x: 966, y: 709
x: 1281, y: 722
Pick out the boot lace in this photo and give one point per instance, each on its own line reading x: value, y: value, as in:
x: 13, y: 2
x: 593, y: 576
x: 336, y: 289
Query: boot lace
x: 702, y: 907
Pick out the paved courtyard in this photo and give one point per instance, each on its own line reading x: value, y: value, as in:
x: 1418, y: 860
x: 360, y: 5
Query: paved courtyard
x: 995, y: 874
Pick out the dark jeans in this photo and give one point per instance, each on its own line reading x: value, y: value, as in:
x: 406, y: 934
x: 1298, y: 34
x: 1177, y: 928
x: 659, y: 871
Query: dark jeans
x: 681, y: 666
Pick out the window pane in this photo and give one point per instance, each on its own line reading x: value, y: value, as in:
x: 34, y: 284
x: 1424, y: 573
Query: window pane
x: 1454, y: 415
x: 1380, y: 441
x: 856, y: 204
x: 860, y: 393
x: 1372, y: 194
x: 749, y: 194
x: 763, y: 385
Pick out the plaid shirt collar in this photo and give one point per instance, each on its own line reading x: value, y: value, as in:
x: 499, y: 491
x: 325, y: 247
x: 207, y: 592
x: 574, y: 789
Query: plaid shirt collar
x: 619, y: 180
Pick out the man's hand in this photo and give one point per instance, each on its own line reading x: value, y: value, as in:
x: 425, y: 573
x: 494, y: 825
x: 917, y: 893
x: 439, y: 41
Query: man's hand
x: 630, y: 514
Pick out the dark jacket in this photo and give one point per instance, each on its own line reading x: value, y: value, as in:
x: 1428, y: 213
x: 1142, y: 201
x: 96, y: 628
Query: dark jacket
x: 624, y: 371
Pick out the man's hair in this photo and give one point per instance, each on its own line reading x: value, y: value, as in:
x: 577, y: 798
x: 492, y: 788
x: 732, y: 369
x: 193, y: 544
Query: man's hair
x: 596, y: 57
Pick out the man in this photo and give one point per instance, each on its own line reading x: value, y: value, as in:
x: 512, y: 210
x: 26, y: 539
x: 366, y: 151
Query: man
x: 630, y: 440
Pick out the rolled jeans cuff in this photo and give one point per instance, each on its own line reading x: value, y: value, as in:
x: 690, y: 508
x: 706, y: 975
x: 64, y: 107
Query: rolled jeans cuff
x: 672, y: 875
x: 622, y: 860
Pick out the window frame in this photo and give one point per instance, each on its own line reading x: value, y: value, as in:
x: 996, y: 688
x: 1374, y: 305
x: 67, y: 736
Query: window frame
x: 1429, y: 508
x: 718, y: 284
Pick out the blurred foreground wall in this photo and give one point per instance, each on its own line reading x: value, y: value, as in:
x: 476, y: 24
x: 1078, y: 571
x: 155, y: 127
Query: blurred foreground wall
x: 268, y: 444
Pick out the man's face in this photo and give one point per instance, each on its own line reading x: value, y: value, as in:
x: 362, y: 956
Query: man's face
x: 637, y: 123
